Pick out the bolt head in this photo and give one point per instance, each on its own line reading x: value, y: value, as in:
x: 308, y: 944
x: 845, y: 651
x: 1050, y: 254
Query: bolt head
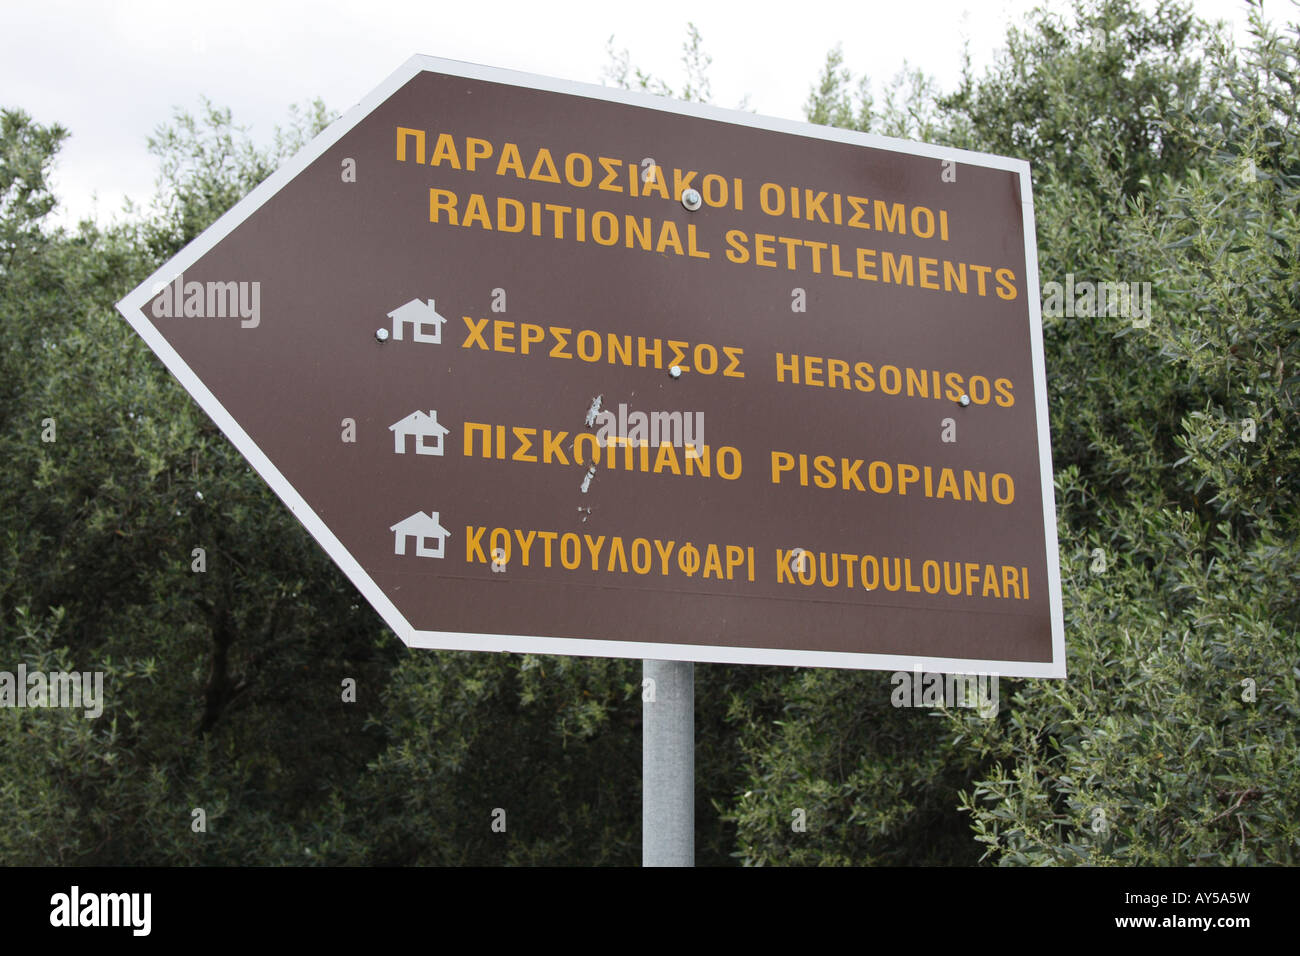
x: 675, y: 371
x: 964, y: 401
x: 381, y: 335
x: 692, y: 200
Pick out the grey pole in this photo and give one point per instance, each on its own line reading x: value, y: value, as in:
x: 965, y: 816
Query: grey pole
x: 667, y: 763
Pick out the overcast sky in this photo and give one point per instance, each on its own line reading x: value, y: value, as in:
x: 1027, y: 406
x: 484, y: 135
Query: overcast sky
x: 111, y: 72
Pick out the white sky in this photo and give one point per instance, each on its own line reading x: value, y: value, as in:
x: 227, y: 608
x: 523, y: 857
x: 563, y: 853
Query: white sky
x: 111, y: 72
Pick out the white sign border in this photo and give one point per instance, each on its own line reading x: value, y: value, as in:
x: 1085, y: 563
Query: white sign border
x: 132, y: 309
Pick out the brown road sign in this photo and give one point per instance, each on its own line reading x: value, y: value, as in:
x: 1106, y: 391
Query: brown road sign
x: 564, y: 369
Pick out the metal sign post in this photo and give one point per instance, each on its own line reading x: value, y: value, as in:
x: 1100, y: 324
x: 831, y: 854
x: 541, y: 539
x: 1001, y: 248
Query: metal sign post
x: 668, y: 763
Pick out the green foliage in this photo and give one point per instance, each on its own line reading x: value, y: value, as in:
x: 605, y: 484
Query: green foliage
x: 97, y: 529
x: 26, y: 154
x: 207, y: 164
x: 874, y: 783
x: 696, y: 86
x: 909, y: 111
x: 543, y: 739
x: 1084, y: 100
x: 1174, y: 741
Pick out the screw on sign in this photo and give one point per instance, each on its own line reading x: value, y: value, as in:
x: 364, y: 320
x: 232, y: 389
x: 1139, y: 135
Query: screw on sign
x: 649, y: 248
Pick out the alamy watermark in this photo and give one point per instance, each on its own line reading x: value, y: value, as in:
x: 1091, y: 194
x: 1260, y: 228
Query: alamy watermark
x: 179, y: 299
x: 1088, y: 300
x: 918, y: 689
x: 680, y: 429
x: 77, y: 908
x: 78, y: 690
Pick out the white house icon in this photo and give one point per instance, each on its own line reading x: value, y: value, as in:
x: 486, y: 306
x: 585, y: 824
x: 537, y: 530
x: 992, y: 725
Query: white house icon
x: 421, y: 527
x: 422, y: 426
x: 419, y: 314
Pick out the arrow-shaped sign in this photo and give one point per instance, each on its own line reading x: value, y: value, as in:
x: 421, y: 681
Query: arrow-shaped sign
x: 603, y: 272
